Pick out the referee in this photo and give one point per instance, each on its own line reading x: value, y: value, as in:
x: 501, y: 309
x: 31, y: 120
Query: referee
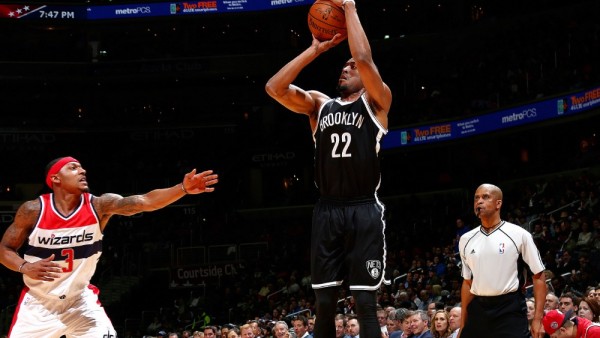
x: 493, y: 257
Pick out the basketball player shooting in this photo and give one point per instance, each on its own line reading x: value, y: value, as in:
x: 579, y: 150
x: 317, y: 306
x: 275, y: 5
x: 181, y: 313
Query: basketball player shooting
x: 347, y: 241
x: 64, y: 231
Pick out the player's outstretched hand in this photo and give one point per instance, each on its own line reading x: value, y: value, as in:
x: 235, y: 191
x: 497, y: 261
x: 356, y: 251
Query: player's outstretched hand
x: 198, y: 183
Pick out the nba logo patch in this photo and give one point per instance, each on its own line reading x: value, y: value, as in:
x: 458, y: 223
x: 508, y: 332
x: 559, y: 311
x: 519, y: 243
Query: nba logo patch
x: 374, y: 268
x: 501, y: 248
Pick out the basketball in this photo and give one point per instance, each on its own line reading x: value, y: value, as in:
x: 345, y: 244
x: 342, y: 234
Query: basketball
x: 326, y: 20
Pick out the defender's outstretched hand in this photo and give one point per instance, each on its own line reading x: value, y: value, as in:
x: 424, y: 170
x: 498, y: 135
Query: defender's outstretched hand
x: 198, y: 183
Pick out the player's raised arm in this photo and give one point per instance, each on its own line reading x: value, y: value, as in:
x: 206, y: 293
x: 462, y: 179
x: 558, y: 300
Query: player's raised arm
x: 294, y: 98
x: 379, y: 94
x: 193, y: 183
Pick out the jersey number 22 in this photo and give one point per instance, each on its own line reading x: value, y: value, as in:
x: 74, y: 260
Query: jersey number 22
x: 338, y: 142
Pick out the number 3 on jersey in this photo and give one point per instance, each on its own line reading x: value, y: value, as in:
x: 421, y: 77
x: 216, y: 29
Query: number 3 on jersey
x: 69, y: 254
x: 338, y: 143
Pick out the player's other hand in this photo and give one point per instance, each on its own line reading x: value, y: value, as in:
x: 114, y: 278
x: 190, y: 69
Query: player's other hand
x: 44, y: 269
x: 323, y: 46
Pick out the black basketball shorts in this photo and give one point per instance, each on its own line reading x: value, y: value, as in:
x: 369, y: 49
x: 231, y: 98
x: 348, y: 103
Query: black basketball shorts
x: 348, y: 243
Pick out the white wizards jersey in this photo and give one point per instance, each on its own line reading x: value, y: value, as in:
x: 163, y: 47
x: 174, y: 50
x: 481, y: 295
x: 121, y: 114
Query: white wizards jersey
x: 76, y: 242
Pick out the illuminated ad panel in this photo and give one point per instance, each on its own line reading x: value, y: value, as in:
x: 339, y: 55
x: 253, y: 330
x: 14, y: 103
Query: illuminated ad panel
x: 140, y: 10
x: 41, y: 12
x: 570, y: 104
x: 187, y: 8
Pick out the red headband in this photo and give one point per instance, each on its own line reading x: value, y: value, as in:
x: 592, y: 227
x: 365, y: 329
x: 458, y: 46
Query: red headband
x: 56, y: 168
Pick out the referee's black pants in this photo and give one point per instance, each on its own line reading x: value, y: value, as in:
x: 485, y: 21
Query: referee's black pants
x: 502, y: 316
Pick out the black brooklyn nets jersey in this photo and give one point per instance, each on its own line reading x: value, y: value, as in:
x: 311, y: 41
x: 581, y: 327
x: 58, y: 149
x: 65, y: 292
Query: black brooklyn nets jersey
x: 346, y: 150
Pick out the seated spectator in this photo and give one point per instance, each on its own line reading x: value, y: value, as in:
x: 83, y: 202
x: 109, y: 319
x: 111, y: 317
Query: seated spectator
x: 402, y: 323
x: 440, y: 327
x: 568, y: 325
x: 246, y: 331
x: 382, y: 319
x: 234, y: 332
x: 300, y: 324
x: 419, y: 324
x: 280, y: 330
x: 589, y: 308
x: 352, y: 326
x: 340, y: 326
x: 530, y: 302
x: 568, y: 301
x: 454, y: 318
x: 584, y: 239
x: 210, y: 332
x: 392, y: 324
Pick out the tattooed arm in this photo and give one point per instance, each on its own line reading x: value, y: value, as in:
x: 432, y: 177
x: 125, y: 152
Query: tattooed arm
x: 114, y: 204
x: 15, y: 235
